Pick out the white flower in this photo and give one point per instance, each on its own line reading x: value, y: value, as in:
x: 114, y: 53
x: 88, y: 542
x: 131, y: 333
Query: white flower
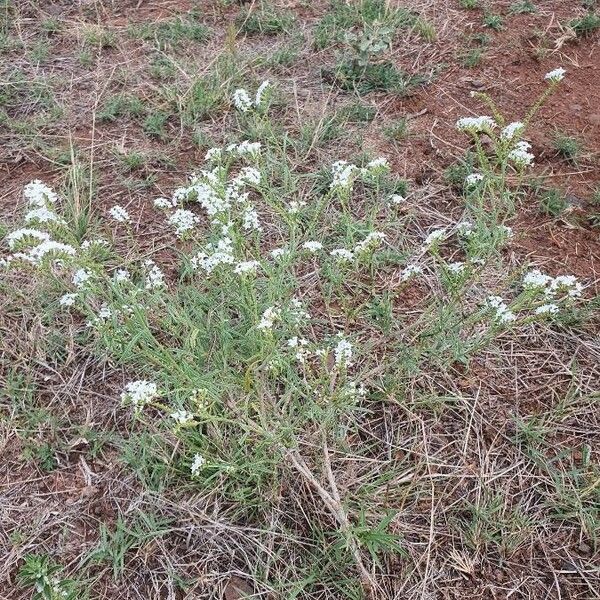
x: 37, y: 254
x: 278, y: 253
x: 139, y: 393
x: 555, y: 75
x: 520, y: 154
x: 343, y: 353
x: 372, y: 240
x: 377, y: 165
x: 397, y: 199
x: 39, y: 194
x: 28, y: 234
x: 250, y: 218
x: 67, y: 299
x: 502, y: 313
x: 122, y: 275
x: 268, y: 318
x: 221, y: 254
x: 197, y: 464
x: 457, y: 267
x: 97, y: 242
x: 342, y: 174
x: 342, y: 254
x: 295, y: 206
x: 547, y: 309
x: 213, y: 154
x: 312, y: 246
x: 241, y: 100
x: 248, y: 175
x: 81, y: 277
x: 155, y: 278
x: 473, y: 179
x: 260, y: 92
x: 297, y: 312
x: 465, y: 228
x: 163, y: 203
x: 119, y: 214
x: 183, y: 221
x: 248, y: 266
x: 354, y: 390
x: 435, y: 236
x: 181, y: 417
x: 410, y: 271
x: 566, y: 283
x: 247, y: 148
x: 43, y: 215
x: 511, y: 130
x: 536, y: 279
x: 476, y: 124
x: 298, y: 345
x: 105, y: 312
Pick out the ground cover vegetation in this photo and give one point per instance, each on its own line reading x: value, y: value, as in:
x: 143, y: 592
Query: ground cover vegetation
x: 269, y: 330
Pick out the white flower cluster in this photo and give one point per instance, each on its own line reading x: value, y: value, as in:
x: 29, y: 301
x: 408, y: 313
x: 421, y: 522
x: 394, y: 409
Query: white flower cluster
x: 502, y: 313
x: 243, y: 102
x: 434, y: 237
x: 139, y: 393
x: 312, y: 246
x: 372, y: 240
x: 343, y: 353
x: 183, y: 221
x: 155, y: 278
x: 243, y: 149
x: 344, y: 173
x: 553, y: 287
x: 279, y: 253
x: 182, y: 417
x: 295, y: 313
x: 246, y: 267
x: 67, y: 299
x: 81, y: 277
x: 410, y: 271
x: 512, y: 130
x: 457, y: 268
x: 122, y: 275
x: 473, y: 179
x: 295, y: 206
x: 547, y: 309
x: 476, y: 124
x: 397, y: 199
x: 197, y: 464
x: 555, y: 75
x: 119, y: 214
x: 246, y: 148
x: 520, y: 155
x: 43, y: 215
x: 39, y: 194
x: 299, y: 348
x: 465, y: 228
x: 270, y: 315
x: 41, y: 200
x: 26, y: 235
x: 34, y: 245
x: 227, y: 203
x: 214, y: 255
